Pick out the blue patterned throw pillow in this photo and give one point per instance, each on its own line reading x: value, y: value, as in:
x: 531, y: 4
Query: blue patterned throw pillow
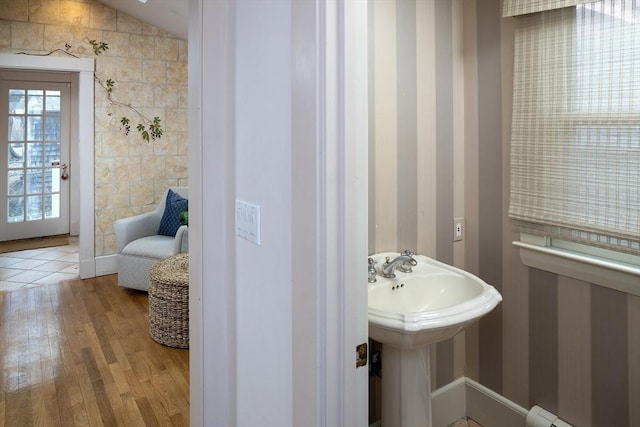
x: 170, y: 221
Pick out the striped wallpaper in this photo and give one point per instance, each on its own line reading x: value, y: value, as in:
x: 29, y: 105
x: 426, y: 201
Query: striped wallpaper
x: 440, y: 90
x: 416, y: 107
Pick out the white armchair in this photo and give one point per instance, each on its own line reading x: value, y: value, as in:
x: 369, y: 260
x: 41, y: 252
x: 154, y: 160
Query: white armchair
x: 140, y: 246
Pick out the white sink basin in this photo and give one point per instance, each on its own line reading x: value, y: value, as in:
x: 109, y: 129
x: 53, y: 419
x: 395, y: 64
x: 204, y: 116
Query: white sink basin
x: 431, y: 304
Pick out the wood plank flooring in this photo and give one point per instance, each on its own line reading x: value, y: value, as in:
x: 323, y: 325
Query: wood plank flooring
x: 36, y: 243
x: 78, y: 353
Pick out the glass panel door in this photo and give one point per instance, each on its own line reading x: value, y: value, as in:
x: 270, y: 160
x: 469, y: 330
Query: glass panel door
x: 35, y: 159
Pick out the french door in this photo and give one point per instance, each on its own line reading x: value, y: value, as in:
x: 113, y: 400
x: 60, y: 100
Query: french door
x: 34, y: 159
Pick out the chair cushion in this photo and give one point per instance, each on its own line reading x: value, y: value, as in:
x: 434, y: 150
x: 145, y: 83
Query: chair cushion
x: 150, y: 247
x: 170, y: 221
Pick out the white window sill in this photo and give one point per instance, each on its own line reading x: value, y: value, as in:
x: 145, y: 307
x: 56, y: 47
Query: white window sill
x: 618, y: 275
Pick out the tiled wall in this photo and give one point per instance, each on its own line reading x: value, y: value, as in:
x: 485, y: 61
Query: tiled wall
x: 150, y: 70
x: 440, y: 81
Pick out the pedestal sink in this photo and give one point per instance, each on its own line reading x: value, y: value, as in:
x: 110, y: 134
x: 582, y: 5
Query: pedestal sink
x: 408, y: 314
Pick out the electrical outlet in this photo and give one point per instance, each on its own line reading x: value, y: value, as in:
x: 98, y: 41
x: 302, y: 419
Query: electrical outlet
x: 458, y: 229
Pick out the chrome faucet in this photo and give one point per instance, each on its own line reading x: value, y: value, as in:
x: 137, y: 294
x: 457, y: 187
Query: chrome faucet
x: 372, y: 270
x: 406, y: 267
x: 403, y: 262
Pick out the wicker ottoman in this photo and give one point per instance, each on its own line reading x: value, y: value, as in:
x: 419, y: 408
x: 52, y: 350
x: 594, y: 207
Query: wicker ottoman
x: 169, y: 301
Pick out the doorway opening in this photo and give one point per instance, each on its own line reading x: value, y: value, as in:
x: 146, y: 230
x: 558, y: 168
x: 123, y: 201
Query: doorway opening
x: 77, y: 73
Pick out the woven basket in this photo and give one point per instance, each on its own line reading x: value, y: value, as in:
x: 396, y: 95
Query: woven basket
x: 169, y: 301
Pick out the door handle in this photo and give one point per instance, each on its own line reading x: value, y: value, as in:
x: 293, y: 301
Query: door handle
x: 64, y: 175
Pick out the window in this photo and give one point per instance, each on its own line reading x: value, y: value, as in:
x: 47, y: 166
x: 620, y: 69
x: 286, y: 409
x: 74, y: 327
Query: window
x: 575, y: 143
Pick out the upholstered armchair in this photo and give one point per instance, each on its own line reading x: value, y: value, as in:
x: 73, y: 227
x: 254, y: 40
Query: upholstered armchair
x: 144, y: 239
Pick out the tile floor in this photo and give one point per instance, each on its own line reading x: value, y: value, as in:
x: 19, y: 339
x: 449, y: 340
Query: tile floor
x: 466, y: 422
x: 34, y: 267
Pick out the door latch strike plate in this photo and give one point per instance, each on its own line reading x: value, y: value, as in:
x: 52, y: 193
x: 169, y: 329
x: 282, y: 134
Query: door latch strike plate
x: 361, y: 355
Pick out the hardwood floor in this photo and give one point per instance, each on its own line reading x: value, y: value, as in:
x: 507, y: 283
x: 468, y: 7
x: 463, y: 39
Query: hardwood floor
x: 37, y: 243
x: 79, y: 353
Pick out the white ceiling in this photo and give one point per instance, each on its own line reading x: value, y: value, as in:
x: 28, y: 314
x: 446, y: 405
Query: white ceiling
x: 170, y: 15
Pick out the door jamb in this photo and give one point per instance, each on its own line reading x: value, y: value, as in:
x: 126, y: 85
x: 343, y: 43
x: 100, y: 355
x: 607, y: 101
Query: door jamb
x: 84, y: 69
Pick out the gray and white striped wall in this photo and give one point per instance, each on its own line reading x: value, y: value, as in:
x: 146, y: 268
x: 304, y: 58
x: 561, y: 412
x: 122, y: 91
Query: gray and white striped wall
x: 439, y: 106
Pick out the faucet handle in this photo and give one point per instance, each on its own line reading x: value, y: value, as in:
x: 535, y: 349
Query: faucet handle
x: 407, y: 252
x: 372, y: 270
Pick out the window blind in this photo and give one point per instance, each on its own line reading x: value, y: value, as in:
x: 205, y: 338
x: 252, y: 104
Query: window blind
x: 522, y: 7
x: 575, y: 138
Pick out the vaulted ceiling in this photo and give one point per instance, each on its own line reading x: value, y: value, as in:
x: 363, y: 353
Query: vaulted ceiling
x: 170, y: 15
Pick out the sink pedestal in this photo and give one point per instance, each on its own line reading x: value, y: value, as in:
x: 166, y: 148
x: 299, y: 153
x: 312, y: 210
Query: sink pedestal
x: 408, y: 314
x: 406, y: 387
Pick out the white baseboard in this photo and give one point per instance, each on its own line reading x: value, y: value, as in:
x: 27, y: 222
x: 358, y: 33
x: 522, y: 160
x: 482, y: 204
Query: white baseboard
x: 448, y: 403
x: 107, y: 264
x: 465, y: 397
x: 492, y: 409
x: 98, y: 266
x: 87, y: 268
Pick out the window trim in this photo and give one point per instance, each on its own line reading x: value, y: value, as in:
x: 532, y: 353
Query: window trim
x: 602, y: 267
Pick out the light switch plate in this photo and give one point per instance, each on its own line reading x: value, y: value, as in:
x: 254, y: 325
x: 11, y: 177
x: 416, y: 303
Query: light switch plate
x: 248, y: 221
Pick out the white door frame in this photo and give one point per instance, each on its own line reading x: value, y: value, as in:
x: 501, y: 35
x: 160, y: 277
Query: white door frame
x: 82, y: 183
x: 330, y: 67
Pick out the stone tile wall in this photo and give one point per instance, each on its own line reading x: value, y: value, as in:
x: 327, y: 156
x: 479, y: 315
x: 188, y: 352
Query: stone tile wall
x: 149, y: 67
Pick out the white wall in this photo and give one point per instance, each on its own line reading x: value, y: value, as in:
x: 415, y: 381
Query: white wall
x: 274, y: 327
x: 263, y: 177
